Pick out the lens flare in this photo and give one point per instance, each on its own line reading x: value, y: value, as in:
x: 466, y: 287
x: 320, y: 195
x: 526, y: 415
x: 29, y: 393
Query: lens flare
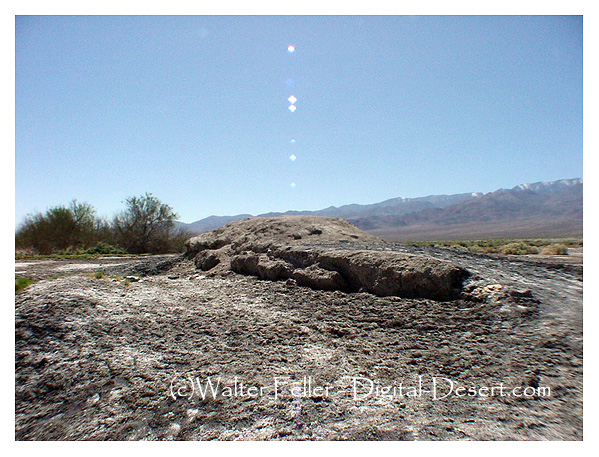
x: 290, y: 83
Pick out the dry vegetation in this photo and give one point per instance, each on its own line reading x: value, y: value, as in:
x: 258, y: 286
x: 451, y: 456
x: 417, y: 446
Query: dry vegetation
x: 508, y: 246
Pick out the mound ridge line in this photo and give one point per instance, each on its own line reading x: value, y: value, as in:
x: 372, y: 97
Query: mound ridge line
x: 287, y: 248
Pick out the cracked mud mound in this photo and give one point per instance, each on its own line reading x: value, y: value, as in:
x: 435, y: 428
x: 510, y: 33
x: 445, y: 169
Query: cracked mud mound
x: 290, y: 248
x: 260, y: 233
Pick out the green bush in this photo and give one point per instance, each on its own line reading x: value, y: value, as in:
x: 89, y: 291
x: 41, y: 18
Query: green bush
x: 555, y: 249
x: 519, y: 248
x: 22, y: 283
x: 59, y: 228
x: 147, y: 226
x: 70, y: 251
x: 99, y: 275
x: 481, y: 249
x: 104, y: 249
x: 506, y: 246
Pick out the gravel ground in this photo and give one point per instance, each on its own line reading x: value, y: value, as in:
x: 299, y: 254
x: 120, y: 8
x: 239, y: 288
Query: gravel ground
x: 117, y: 359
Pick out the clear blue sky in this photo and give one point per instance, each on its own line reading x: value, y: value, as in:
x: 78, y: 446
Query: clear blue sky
x: 194, y: 109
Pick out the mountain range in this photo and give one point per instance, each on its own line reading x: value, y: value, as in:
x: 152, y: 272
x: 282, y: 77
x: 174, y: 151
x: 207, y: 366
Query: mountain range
x: 541, y: 209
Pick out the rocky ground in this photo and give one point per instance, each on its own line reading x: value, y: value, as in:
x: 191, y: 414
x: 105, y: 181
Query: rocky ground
x: 121, y: 357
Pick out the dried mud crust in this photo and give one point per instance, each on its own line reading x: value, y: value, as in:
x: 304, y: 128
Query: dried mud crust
x: 55, y: 268
x: 96, y: 358
x: 290, y: 247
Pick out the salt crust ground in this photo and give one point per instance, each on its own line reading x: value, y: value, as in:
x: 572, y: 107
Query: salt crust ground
x: 96, y: 358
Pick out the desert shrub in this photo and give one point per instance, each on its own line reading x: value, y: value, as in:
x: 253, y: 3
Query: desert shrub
x: 69, y: 252
x: 555, y: 249
x: 506, y: 246
x: 519, y: 248
x: 99, y: 275
x: 177, y: 239
x: 103, y: 248
x: 22, y: 283
x: 146, y: 226
x: 60, y: 228
x: 478, y: 249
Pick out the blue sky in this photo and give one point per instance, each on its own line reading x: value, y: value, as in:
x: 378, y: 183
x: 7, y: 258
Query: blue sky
x: 194, y: 109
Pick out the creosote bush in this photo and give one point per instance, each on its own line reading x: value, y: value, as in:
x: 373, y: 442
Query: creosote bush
x: 519, y: 248
x: 505, y: 246
x: 555, y: 249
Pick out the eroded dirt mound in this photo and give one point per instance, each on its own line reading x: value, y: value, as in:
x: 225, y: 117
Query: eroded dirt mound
x: 380, y: 273
x: 260, y: 233
x: 291, y: 248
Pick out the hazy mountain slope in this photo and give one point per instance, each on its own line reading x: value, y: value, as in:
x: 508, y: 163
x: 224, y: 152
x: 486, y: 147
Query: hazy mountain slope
x: 538, y: 209
x: 395, y: 207
x: 211, y: 223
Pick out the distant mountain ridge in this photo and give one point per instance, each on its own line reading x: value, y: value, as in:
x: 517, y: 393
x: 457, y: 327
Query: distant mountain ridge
x: 212, y: 222
x: 537, y: 209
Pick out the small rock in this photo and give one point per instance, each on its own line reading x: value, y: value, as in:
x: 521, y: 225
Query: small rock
x: 532, y: 378
x: 206, y: 260
x: 285, y: 432
x: 93, y: 399
x: 173, y: 431
x: 524, y: 293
